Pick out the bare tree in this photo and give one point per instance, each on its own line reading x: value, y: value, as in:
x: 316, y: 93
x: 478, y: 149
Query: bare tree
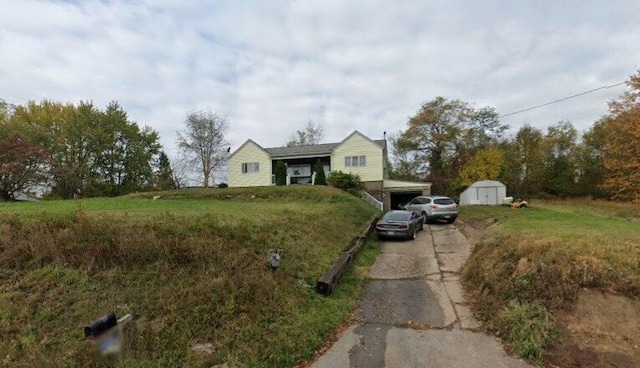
x: 203, y: 142
x: 313, y: 133
x: 181, y: 174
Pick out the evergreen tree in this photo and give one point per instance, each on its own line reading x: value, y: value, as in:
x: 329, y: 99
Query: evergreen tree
x: 164, y: 178
x: 281, y: 173
x: 321, y: 179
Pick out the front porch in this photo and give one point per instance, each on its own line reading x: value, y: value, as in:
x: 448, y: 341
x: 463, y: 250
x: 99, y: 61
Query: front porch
x: 300, y: 170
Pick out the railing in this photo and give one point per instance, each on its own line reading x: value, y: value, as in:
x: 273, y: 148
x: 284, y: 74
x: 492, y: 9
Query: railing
x: 371, y: 200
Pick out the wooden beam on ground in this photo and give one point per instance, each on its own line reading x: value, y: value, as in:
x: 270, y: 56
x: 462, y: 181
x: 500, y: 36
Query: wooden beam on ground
x: 327, y: 282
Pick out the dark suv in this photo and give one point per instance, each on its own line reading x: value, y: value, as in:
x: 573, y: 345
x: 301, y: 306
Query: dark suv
x: 434, y: 208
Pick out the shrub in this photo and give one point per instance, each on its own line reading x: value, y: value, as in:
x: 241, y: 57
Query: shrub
x: 320, y: 177
x: 346, y: 181
x: 281, y: 173
x: 223, y: 185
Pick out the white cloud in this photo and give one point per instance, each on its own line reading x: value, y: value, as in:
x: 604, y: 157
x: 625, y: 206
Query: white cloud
x: 271, y: 65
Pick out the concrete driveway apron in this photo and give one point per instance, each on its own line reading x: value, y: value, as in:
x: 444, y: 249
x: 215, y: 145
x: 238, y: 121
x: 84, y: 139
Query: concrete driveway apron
x: 413, y: 312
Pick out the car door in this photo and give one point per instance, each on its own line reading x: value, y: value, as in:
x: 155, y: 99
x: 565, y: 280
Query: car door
x: 415, y: 220
x: 419, y: 218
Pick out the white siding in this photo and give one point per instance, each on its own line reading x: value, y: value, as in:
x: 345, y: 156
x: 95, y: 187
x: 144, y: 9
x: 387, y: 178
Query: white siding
x: 249, y: 152
x: 358, y: 145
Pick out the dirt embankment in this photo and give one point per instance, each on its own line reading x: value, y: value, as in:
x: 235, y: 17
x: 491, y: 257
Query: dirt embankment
x: 601, y: 330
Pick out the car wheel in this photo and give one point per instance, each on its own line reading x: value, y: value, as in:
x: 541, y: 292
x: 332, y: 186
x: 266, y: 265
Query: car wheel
x: 523, y: 206
x: 421, y: 226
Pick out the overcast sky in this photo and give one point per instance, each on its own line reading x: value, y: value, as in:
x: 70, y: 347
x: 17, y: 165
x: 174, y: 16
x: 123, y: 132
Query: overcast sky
x: 347, y: 64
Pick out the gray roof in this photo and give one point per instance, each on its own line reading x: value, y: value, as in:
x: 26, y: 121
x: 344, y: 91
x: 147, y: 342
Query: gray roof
x: 315, y: 149
x: 323, y: 149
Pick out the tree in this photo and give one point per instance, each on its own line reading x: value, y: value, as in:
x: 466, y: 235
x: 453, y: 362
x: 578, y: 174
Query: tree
x: 443, y: 135
x: 526, y: 162
x: 72, y: 147
x: 403, y: 166
x: 321, y: 179
x: 48, y: 124
x: 560, y: 168
x: 313, y: 133
x: 124, y: 154
x: 93, y: 152
x: 485, y: 165
x: 621, y: 153
x: 281, y: 173
x: 482, y: 131
x: 164, y: 175
x: 432, y: 134
x: 22, y: 166
x: 5, y: 112
x: 203, y: 141
x: 180, y: 172
x: 590, y: 161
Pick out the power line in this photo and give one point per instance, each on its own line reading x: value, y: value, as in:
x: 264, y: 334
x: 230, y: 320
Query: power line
x: 562, y: 99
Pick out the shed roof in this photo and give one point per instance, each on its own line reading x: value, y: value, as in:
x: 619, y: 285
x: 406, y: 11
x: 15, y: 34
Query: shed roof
x: 486, y: 183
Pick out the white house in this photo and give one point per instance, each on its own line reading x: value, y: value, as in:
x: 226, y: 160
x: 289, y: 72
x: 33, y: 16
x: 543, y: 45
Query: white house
x: 252, y: 165
x: 486, y: 192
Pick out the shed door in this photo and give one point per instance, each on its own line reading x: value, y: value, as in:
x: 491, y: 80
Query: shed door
x: 488, y: 195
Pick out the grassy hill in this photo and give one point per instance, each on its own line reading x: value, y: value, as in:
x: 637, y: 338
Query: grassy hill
x: 191, y: 267
x: 533, y: 262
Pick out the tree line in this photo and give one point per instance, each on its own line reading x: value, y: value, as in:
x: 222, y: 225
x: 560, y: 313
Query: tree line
x: 80, y: 150
x: 452, y: 144
x: 77, y: 150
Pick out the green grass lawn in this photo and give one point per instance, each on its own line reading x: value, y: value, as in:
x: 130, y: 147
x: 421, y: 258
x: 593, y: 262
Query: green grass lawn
x: 537, y: 259
x: 191, y: 267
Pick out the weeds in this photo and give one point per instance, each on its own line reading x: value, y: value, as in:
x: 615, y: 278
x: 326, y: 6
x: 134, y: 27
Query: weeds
x: 539, y: 258
x: 191, y: 270
x: 527, y: 327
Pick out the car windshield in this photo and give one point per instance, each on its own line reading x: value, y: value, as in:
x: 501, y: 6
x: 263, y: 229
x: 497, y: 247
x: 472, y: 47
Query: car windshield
x: 420, y: 200
x: 397, y: 216
x: 444, y: 201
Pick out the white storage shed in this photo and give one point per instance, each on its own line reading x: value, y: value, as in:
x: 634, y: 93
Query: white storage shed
x: 486, y: 192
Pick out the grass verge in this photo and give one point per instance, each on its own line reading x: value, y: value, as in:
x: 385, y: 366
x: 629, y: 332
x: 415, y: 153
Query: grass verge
x: 534, y: 261
x: 190, y: 266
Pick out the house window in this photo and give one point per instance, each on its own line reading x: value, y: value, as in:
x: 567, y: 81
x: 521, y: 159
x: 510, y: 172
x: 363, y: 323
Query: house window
x: 249, y: 167
x: 299, y: 170
x: 355, y: 161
